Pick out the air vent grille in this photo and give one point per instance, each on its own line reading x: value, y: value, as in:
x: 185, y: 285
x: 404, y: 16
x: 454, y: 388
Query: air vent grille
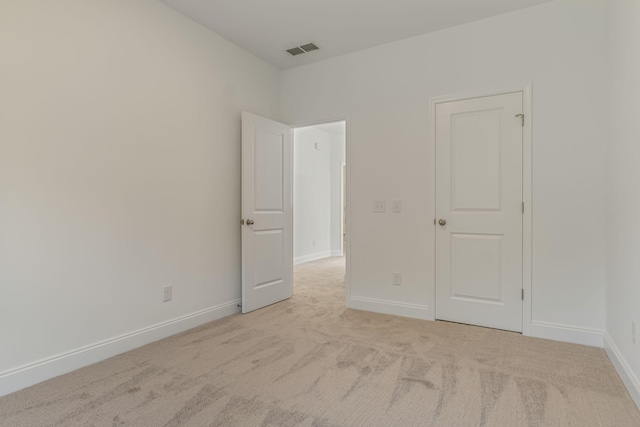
x: 309, y: 47
x: 295, y: 51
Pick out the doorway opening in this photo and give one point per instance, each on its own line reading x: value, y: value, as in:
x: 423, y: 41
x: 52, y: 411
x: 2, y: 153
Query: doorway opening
x: 319, y: 201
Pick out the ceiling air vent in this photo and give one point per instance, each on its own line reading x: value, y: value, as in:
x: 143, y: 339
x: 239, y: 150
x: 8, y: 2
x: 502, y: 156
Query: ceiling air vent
x: 309, y: 47
x: 295, y: 51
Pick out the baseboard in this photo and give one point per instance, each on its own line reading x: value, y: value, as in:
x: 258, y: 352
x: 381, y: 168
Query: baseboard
x: 627, y: 375
x: 33, y: 373
x: 572, y: 334
x: 390, y: 307
x: 311, y: 257
x: 336, y: 252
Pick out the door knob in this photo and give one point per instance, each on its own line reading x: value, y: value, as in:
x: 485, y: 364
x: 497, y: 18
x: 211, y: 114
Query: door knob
x: 250, y: 222
x: 442, y: 222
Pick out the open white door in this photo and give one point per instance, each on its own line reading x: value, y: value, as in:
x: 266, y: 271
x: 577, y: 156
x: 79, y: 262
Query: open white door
x: 267, y: 228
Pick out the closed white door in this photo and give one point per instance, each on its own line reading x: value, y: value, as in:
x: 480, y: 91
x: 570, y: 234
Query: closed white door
x: 267, y: 229
x: 479, y: 211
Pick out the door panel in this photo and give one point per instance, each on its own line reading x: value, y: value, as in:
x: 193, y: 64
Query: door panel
x: 475, y: 140
x: 475, y: 267
x: 479, y: 195
x: 268, y: 172
x: 267, y: 244
x: 269, y: 267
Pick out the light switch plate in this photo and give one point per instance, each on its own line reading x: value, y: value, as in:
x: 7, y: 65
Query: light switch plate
x: 379, y: 206
x: 397, y: 206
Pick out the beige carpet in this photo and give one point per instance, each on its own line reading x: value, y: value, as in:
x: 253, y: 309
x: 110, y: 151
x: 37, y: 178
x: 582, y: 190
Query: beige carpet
x: 310, y: 362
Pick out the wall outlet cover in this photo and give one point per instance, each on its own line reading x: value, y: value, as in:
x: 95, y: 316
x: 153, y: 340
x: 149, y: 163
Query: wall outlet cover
x: 167, y: 293
x: 397, y: 279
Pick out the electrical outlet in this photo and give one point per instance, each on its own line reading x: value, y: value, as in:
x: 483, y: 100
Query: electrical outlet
x: 167, y: 293
x: 397, y: 279
x: 633, y: 332
x: 379, y: 206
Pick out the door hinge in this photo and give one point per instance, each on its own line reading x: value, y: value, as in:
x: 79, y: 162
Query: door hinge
x: 521, y: 117
x: 522, y: 207
x: 522, y: 294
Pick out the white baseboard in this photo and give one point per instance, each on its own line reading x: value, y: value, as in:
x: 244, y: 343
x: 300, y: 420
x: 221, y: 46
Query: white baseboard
x: 627, y: 375
x: 336, y: 252
x: 311, y: 257
x: 572, y: 334
x: 390, y: 307
x: 33, y: 373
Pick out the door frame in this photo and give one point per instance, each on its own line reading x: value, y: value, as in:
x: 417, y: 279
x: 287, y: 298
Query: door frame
x: 527, y: 187
x: 347, y: 156
x: 343, y: 200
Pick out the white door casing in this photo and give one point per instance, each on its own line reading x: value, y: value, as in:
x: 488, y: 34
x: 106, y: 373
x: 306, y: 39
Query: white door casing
x: 267, y: 229
x: 479, y: 177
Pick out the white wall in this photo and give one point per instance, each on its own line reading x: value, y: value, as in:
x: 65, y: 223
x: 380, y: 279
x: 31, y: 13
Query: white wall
x: 623, y: 219
x: 119, y: 174
x: 384, y: 93
x: 337, y: 160
x: 311, y: 194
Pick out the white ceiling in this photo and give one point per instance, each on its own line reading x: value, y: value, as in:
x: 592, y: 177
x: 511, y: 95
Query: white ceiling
x: 268, y: 27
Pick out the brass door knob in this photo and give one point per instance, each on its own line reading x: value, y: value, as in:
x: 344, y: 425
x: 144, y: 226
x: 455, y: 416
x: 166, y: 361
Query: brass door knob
x: 442, y: 222
x: 250, y: 222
